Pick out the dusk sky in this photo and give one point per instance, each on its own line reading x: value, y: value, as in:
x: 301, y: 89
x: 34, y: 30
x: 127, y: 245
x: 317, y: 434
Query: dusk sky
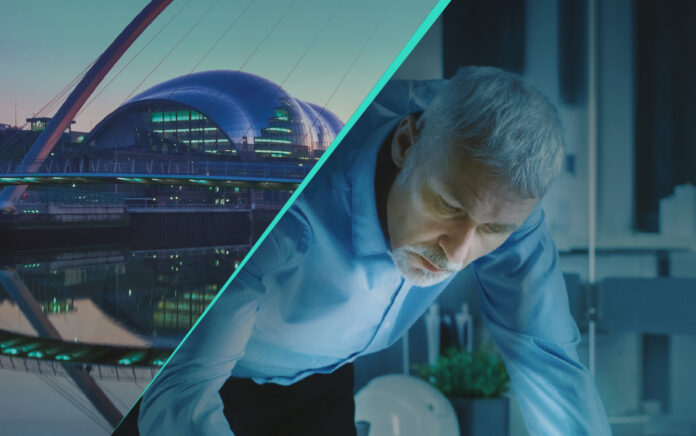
x: 45, y: 44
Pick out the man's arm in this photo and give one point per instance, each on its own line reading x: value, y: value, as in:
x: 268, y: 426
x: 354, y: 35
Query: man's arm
x: 524, y: 304
x: 184, y: 398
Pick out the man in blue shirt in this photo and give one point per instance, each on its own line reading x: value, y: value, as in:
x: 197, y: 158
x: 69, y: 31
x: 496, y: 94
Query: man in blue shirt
x: 436, y: 176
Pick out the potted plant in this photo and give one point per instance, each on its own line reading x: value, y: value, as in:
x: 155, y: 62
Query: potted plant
x: 474, y: 382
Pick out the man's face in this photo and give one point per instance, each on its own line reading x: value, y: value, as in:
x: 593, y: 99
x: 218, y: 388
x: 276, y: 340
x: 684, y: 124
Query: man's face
x: 445, y: 210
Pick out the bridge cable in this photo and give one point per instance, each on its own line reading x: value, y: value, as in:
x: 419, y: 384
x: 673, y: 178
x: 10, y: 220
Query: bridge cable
x: 221, y: 37
x: 253, y: 52
x: 179, y: 42
x: 49, y: 106
x: 211, y: 48
x: 171, y: 50
x: 59, y: 97
x: 354, y: 61
x: 132, y: 58
x: 279, y: 88
x: 75, y: 401
x: 76, y: 151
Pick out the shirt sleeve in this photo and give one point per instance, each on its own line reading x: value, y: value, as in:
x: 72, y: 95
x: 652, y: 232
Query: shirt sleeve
x: 183, y: 398
x: 524, y: 303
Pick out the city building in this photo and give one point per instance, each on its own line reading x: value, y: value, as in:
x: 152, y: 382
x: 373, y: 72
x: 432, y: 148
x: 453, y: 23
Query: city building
x: 220, y: 119
x: 217, y: 114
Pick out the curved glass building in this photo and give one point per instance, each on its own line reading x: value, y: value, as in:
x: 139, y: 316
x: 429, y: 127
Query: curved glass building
x: 222, y: 113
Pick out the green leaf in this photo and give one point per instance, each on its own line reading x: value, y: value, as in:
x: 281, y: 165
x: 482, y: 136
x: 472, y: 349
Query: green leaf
x: 464, y: 374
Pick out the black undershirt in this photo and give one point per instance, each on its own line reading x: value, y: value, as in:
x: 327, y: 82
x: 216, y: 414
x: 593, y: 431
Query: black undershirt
x: 385, y: 174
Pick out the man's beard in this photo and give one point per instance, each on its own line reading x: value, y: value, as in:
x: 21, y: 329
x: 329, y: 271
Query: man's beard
x: 423, y: 277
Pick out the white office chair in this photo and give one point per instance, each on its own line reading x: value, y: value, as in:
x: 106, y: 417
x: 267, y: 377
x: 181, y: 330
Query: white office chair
x: 400, y: 405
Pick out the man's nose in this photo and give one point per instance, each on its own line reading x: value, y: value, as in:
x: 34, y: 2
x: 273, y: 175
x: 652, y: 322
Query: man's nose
x: 458, y: 241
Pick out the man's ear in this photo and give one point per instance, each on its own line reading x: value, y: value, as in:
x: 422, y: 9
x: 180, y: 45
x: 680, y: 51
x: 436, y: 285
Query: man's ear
x: 405, y: 136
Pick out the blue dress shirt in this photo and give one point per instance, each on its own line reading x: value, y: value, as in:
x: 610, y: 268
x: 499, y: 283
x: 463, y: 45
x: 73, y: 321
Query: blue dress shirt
x: 322, y: 290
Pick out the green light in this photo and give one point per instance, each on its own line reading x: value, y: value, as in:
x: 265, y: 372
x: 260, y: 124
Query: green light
x: 12, y: 351
x: 281, y: 114
x: 277, y: 129
x: 125, y: 361
x: 167, y: 116
x: 202, y: 182
x: 158, y: 362
x: 130, y: 179
x: 36, y: 354
x: 273, y: 141
x: 63, y: 357
x: 273, y: 151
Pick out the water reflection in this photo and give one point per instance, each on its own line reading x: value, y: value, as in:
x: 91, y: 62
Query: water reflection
x: 119, y: 296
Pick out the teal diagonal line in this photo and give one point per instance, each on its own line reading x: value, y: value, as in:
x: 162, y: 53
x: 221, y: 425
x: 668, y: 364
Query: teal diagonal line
x: 396, y: 63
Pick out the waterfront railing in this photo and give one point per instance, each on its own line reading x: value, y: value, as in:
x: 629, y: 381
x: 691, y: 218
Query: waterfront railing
x: 134, y: 167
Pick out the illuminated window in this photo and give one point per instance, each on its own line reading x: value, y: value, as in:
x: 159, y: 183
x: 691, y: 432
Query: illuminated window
x: 281, y: 115
x: 277, y: 130
x: 273, y: 141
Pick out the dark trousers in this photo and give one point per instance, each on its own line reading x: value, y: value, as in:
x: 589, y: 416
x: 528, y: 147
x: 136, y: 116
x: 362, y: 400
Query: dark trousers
x: 321, y: 404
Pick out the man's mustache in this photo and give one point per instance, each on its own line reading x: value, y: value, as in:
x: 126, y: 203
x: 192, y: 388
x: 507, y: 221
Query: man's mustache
x: 437, y: 258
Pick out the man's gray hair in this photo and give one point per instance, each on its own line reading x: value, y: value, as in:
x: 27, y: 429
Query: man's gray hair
x: 501, y: 121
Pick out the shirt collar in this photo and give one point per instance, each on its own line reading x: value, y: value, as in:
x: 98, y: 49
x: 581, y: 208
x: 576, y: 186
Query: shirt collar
x: 368, y: 238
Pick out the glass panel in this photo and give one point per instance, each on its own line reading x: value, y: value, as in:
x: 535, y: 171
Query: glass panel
x: 645, y: 251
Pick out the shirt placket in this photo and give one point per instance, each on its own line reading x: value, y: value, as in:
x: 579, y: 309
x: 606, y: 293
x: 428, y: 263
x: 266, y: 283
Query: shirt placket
x: 386, y: 325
